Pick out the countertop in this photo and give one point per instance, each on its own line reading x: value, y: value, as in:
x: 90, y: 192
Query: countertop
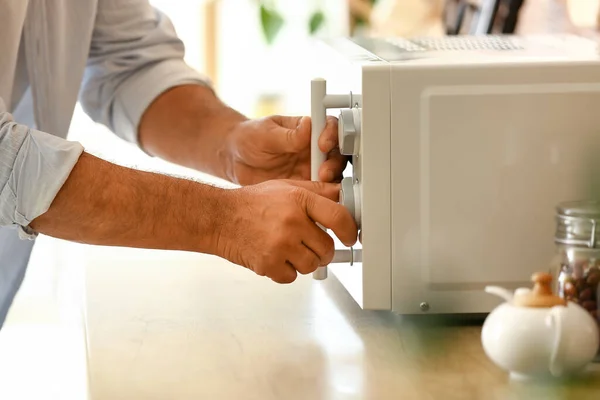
x: 183, y: 326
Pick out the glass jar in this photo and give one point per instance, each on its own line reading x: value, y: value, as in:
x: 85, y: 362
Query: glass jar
x: 577, y: 238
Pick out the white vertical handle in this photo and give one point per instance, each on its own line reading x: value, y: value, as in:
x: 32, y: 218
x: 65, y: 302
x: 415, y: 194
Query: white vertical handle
x: 318, y: 116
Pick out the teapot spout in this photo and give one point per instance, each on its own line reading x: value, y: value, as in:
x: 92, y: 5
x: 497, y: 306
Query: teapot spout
x: 500, y: 292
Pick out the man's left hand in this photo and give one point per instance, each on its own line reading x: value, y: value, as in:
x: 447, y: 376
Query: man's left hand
x: 188, y: 125
x: 278, y: 147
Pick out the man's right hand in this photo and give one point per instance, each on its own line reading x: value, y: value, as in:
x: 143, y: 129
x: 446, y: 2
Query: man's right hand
x: 271, y: 228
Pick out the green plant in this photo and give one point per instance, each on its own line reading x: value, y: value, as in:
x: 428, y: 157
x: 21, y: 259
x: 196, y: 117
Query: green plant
x: 271, y: 20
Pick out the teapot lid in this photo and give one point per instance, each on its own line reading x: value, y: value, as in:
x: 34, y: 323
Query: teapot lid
x: 541, y: 295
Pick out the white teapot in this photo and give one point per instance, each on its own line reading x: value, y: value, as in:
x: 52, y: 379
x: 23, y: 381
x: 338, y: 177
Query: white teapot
x: 536, y: 334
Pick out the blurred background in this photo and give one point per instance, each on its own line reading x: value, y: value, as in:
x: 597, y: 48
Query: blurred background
x: 257, y: 53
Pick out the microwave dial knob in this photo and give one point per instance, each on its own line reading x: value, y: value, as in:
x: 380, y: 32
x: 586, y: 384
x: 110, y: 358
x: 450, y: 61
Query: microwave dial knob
x: 349, y: 131
x: 350, y: 198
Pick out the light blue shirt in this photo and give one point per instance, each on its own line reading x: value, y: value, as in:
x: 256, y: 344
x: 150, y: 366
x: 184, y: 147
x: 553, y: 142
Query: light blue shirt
x: 114, y: 56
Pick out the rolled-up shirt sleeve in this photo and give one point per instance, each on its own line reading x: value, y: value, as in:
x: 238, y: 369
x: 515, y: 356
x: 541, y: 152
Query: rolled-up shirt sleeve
x: 33, y: 167
x: 135, y: 56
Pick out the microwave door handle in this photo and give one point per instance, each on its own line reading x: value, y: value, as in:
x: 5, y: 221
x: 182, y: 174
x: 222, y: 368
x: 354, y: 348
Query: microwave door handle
x: 347, y: 256
x: 320, y: 102
x: 318, y: 117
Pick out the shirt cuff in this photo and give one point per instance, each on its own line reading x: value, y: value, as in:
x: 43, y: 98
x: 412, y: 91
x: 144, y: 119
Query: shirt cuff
x: 140, y: 90
x: 41, y: 167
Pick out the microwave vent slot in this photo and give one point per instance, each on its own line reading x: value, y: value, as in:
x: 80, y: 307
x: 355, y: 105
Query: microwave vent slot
x: 471, y: 43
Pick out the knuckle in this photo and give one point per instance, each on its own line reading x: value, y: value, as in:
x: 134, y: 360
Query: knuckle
x: 268, y: 263
x: 288, y: 218
x: 297, y: 192
x: 274, y: 259
x: 272, y: 241
x: 290, y: 136
x: 309, y: 265
x: 277, y: 240
x: 302, y: 196
x: 259, y: 270
x: 284, y: 278
x: 322, y: 186
x: 328, y: 250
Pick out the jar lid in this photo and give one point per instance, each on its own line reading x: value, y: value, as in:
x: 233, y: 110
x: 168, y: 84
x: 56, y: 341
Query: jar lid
x: 541, y: 295
x: 578, y: 223
x: 580, y: 209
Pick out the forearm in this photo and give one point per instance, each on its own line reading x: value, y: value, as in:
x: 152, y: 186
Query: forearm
x: 188, y: 125
x: 105, y: 204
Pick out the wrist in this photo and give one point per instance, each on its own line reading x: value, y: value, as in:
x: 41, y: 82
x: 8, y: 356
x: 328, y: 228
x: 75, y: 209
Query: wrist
x: 215, y: 142
x: 190, y: 126
x: 220, y: 161
x: 218, y: 218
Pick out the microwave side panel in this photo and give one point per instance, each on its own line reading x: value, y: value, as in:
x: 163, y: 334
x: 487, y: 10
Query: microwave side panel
x: 481, y: 156
x: 375, y: 187
x: 369, y: 282
x: 359, y: 72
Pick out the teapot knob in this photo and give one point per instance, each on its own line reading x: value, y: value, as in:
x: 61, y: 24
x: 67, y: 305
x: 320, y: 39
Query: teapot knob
x: 542, y: 281
x: 541, y: 295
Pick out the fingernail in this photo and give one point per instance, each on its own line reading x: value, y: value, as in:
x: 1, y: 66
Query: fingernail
x: 301, y: 122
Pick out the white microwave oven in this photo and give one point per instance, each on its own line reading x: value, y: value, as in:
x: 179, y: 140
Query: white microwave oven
x: 462, y: 147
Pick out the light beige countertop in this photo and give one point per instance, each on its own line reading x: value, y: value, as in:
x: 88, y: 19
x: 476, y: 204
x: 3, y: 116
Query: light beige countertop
x: 182, y: 326
x: 177, y: 326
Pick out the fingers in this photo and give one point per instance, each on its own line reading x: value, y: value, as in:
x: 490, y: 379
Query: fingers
x: 284, y: 274
x: 300, y: 134
x: 328, y: 140
x: 315, y: 249
x: 296, y: 133
x: 332, y: 216
x: 291, y: 134
x: 332, y: 169
x: 304, y: 260
x: 320, y: 201
x: 319, y: 243
x: 286, y: 121
x: 301, y: 259
x: 326, y: 189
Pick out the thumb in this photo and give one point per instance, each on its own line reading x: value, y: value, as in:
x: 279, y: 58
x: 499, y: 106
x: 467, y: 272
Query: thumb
x: 332, y: 215
x: 324, y: 189
x: 294, y: 133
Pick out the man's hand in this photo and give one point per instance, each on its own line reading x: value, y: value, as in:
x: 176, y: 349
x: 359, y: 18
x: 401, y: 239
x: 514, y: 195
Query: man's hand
x: 188, y: 125
x: 278, y: 147
x: 271, y: 228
